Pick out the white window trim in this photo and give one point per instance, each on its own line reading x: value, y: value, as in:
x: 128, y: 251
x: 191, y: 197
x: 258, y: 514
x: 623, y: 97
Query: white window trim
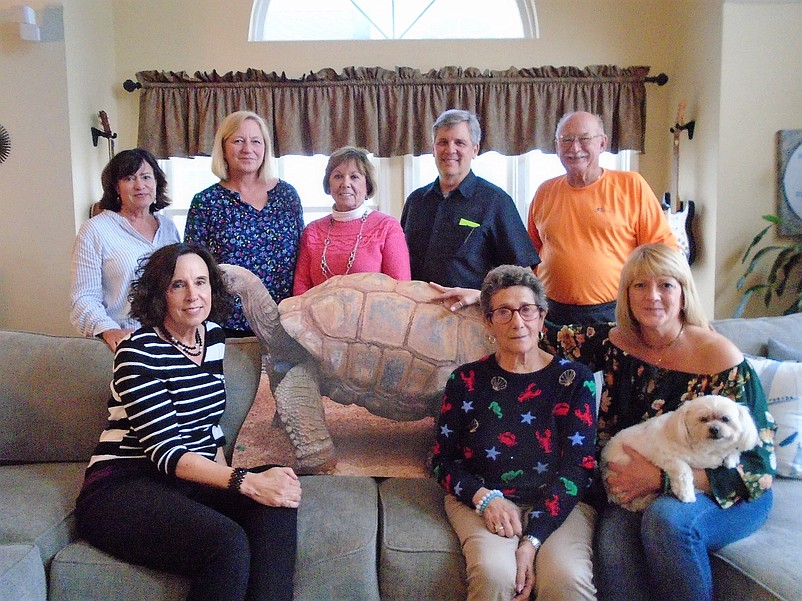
x: 256, y: 28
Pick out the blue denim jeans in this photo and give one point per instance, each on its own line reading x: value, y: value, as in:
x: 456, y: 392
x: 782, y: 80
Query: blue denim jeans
x: 662, y: 553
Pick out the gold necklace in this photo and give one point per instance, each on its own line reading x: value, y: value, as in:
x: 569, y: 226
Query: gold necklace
x: 663, y: 347
x: 324, y: 265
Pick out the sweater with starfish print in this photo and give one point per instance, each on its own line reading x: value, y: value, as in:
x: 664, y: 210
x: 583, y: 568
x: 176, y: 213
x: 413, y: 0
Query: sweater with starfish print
x: 529, y: 435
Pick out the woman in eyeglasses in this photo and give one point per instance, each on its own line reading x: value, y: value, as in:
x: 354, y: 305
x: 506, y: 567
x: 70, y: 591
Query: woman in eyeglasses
x: 514, y: 450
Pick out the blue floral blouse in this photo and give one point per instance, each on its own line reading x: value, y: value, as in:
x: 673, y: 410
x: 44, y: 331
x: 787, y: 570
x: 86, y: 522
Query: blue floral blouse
x: 266, y: 242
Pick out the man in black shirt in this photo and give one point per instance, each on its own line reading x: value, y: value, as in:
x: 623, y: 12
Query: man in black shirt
x: 461, y: 226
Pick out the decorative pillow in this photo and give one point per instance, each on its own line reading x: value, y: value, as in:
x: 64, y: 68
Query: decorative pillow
x: 782, y: 382
x: 779, y: 351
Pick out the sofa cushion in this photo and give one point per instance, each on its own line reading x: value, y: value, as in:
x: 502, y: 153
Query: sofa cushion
x: 37, y: 504
x: 782, y: 382
x: 752, y: 335
x: 337, y: 530
x: 420, y: 556
x: 780, y: 351
x: 53, y: 393
x: 766, y: 564
x: 22, y: 576
x: 81, y: 571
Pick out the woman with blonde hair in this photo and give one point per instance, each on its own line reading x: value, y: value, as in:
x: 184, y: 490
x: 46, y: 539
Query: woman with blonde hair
x: 660, y: 354
x: 249, y: 218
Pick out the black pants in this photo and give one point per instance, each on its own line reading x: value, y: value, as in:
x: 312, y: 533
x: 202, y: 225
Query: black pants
x: 231, y: 547
x: 580, y: 315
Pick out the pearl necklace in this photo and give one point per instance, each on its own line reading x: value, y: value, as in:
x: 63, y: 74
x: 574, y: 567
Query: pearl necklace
x: 324, y: 265
x: 663, y: 347
x: 194, y: 350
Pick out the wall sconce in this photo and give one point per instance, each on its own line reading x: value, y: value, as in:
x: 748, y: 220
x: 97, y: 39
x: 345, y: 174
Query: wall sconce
x: 26, y: 19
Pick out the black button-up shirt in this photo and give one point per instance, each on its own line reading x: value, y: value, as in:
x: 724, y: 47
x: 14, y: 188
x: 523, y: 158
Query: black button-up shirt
x: 456, y: 240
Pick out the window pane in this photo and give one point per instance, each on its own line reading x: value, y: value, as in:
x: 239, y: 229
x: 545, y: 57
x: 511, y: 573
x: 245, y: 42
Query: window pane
x: 387, y: 19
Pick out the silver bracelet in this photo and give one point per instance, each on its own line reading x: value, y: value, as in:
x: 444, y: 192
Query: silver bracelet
x: 532, y: 539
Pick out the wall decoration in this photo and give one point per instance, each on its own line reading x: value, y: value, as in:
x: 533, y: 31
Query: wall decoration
x: 789, y: 181
x: 5, y: 144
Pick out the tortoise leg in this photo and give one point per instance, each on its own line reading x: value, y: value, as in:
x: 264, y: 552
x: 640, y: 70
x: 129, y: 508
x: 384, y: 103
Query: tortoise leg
x: 299, y: 406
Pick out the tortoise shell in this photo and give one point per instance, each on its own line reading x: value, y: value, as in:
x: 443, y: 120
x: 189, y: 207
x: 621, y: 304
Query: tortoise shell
x: 384, y: 344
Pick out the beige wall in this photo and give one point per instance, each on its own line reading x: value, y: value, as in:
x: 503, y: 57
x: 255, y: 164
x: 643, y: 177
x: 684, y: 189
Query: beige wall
x: 37, y: 224
x: 725, y: 62
x: 761, y: 93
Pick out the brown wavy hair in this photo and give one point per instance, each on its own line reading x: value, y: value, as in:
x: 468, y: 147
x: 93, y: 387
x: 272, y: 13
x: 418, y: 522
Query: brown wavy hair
x: 123, y: 164
x: 148, y: 294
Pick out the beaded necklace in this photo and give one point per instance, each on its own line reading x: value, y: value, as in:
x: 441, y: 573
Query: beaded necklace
x: 324, y: 265
x: 194, y: 350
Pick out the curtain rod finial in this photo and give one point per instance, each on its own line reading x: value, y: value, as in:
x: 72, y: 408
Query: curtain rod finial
x: 129, y: 85
x: 660, y: 79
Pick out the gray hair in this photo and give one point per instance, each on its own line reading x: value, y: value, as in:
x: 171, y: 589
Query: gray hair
x: 507, y: 276
x: 570, y: 114
x: 453, y: 117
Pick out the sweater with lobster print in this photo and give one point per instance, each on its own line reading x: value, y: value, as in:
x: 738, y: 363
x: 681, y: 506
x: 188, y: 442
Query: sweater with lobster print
x: 529, y: 435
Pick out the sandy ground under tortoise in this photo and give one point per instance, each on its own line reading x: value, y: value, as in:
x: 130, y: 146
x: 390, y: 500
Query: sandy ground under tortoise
x: 366, y: 445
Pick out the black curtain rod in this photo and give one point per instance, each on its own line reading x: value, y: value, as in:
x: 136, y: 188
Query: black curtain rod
x: 661, y: 79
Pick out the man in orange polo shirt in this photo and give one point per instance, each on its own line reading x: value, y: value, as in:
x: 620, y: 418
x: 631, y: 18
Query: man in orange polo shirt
x: 585, y: 223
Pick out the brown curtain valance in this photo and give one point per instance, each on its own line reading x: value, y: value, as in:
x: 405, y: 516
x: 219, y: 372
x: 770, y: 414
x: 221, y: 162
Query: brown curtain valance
x: 389, y: 112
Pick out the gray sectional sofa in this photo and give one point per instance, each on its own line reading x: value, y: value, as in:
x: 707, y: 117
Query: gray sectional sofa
x: 359, y: 537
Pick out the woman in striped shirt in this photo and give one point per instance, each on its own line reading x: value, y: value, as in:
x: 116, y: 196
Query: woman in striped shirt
x: 158, y: 491
x: 108, y: 246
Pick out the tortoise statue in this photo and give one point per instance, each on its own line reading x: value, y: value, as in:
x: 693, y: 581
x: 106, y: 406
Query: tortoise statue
x: 367, y: 339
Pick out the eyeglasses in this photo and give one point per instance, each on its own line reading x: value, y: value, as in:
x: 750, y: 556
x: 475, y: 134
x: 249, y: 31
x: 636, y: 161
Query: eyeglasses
x: 504, y: 315
x: 568, y: 141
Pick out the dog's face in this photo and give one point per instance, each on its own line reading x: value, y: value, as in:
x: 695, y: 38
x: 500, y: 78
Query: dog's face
x: 716, y: 422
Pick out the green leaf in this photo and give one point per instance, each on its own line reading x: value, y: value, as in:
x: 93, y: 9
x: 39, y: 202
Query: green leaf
x: 755, y: 241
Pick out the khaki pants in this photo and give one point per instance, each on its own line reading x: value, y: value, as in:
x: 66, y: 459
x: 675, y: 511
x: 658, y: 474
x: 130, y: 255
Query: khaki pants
x: 563, y: 565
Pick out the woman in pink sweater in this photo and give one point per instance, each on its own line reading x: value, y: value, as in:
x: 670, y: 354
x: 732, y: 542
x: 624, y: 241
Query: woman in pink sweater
x: 353, y: 239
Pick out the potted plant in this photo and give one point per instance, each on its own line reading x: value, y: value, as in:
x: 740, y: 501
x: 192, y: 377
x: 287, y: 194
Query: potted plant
x: 784, y: 279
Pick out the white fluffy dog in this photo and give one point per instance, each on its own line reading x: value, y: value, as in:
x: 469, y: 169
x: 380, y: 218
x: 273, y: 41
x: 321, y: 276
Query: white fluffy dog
x: 702, y: 433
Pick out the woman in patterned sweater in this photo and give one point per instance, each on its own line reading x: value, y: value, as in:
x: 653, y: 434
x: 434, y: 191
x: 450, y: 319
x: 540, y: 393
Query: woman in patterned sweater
x: 158, y: 491
x: 514, y: 449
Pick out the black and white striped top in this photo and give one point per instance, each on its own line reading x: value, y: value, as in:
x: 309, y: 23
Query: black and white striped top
x: 162, y: 405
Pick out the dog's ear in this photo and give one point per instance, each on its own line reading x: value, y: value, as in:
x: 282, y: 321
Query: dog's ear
x: 682, y: 423
x: 749, y: 435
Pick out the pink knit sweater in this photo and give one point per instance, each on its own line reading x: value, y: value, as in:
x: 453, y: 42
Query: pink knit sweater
x: 383, y: 248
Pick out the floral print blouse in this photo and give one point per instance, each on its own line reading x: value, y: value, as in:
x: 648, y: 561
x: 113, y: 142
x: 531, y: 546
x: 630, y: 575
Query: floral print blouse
x: 266, y: 242
x: 634, y: 391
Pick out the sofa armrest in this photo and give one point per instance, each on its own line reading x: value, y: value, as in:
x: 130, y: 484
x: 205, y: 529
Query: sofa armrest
x: 243, y: 369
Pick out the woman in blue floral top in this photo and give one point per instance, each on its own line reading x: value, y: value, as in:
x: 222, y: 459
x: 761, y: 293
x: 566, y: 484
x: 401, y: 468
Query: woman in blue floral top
x: 249, y: 218
x: 660, y: 354
x: 515, y: 451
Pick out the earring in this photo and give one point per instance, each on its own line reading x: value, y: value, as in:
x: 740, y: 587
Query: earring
x: 491, y: 339
x: 541, y: 335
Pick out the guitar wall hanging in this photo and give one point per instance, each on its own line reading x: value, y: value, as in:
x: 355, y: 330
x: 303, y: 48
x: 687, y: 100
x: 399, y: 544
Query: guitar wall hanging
x: 106, y: 132
x: 680, y: 214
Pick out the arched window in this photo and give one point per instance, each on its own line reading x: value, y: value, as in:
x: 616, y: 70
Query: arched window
x: 392, y: 19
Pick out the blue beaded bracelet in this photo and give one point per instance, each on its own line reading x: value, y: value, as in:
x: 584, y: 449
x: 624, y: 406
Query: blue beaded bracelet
x: 485, y: 500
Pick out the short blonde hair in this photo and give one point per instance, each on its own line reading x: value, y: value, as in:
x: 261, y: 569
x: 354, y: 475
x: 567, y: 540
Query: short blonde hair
x: 658, y: 260
x: 228, y: 128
